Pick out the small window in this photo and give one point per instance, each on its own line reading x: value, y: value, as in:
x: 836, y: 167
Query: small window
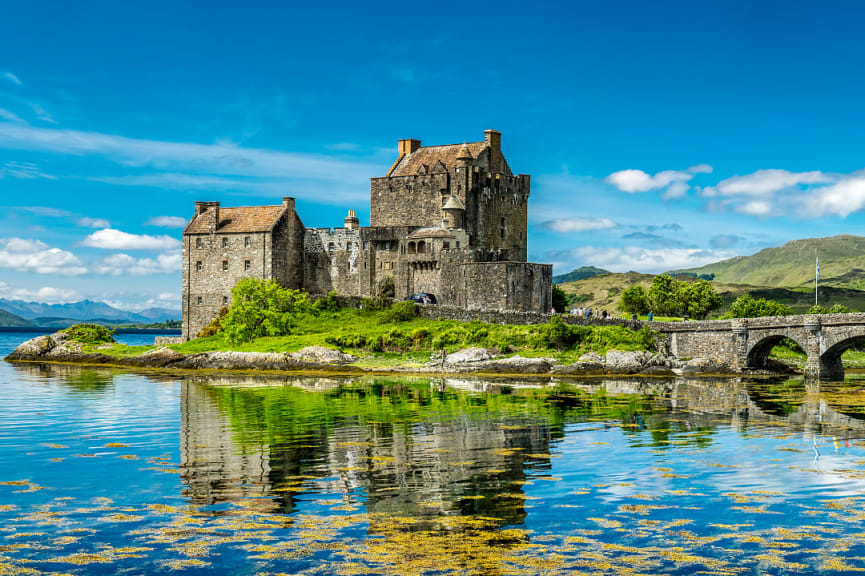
x: 225, y: 242
x: 330, y: 246
x: 366, y: 245
x: 247, y: 242
x: 200, y: 300
x: 198, y: 243
x: 247, y: 265
x: 387, y: 265
x: 446, y: 246
x: 225, y: 265
x: 225, y: 300
x: 199, y: 265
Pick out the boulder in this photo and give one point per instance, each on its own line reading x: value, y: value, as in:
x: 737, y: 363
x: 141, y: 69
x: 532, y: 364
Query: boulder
x: 34, y: 348
x: 519, y: 365
x: 620, y: 362
x: 592, y: 357
x: 701, y: 365
x: 322, y: 355
x: 469, y: 355
x: 161, y: 356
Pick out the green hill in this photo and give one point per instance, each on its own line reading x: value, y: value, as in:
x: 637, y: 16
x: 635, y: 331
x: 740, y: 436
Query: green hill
x: 842, y: 264
x: 580, y: 273
x: 603, y: 292
x: 10, y: 319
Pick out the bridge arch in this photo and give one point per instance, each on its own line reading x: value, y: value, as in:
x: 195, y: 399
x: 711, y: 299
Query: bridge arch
x: 757, y: 355
x: 834, y: 345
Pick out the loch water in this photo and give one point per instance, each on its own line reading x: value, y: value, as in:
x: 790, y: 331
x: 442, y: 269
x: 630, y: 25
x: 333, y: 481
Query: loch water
x: 107, y: 471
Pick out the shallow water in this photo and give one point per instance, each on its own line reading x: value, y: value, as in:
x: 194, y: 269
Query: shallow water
x: 106, y: 471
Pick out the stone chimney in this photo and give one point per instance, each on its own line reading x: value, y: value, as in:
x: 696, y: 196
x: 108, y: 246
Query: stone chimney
x: 352, y: 221
x: 214, y: 219
x: 493, y: 138
x: 200, y: 207
x: 288, y: 203
x: 407, y: 146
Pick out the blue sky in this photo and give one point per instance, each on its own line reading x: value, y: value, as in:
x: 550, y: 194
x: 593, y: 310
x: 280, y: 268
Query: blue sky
x: 658, y: 135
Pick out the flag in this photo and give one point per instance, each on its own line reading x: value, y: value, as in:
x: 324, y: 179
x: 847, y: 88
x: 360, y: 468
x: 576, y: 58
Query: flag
x: 818, y: 267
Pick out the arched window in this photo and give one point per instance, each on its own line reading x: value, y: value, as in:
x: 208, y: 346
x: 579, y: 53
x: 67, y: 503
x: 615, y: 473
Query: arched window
x: 411, y: 248
x: 421, y: 247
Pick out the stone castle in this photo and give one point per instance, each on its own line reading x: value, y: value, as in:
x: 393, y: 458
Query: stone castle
x: 447, y: 220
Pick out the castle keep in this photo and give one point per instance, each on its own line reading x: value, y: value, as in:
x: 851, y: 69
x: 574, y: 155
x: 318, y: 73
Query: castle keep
x: 448, y: 220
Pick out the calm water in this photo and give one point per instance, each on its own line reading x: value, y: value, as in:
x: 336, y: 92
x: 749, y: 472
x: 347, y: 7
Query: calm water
x: 105, y: 472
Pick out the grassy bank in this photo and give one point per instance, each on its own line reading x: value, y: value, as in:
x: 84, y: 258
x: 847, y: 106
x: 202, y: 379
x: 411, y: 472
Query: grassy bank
x: 380, y: 339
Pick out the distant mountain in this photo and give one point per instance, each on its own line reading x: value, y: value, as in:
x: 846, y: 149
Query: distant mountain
x: 580, y: 273
x: 10, y: 319
x: 842, y: 264
x: 160, y: 314
x: 86, y: 310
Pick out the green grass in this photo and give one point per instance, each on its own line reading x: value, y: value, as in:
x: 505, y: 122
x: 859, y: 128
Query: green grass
x: 379, y: 342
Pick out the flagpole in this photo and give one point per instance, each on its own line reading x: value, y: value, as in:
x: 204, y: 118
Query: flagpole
x: 816, y: 277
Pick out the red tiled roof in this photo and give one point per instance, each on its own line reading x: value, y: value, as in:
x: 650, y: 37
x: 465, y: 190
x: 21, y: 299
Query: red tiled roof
x: 234, y: 220
x: 429, y: 155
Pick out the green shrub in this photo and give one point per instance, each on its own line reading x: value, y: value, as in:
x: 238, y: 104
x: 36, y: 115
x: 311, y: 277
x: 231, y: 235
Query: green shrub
x: 329, y: 303
x: 402, y: 311
x: 90, y: 334
x: 746, y: 306
x: 215, y: 325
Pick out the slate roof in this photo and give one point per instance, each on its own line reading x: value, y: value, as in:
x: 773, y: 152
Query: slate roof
x: 430, y: 155
x: 236, y: 220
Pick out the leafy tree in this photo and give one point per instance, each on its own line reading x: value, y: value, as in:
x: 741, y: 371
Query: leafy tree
x: 839, y: 309
x: 746, y: 306
x: 261, y: 308
x: 698, y: 298
x: 634, y: 300
x: 664, y: 295
x: 560, y: 299
x: 817, y: 309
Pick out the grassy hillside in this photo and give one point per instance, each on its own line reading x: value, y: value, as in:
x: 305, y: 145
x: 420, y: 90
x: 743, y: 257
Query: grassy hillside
x: 580, y: 273
x: 842, y: 264
x: 10, y: 319
x: 603, y: 292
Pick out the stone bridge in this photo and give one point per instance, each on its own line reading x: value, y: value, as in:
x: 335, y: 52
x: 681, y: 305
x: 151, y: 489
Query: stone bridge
x: 745, y: 343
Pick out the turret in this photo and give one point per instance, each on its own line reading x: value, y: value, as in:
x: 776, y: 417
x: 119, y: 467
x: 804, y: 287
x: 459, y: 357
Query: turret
x: 351, y: 221
x: 464, y: 158
x: 454, y: 210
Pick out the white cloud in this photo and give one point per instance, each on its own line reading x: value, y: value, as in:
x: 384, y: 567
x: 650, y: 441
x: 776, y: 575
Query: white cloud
x: 755, y: 208
x: 120, y: 264
x: 12, y: 78
x: 47, y: 295
x: 626, y: 258
x: 564, y: 225
x: 24, y: 170
x: 170, y: 296
x: 110, y: 239
x: 167, y: 222
x: 764, y: 183
x: 93, y: 222
x: 42, y: 114
x: 673, y: 182
x: 35, y: 256
x: 842, y: 198
x: 204, y: 166
x: 8, y: 115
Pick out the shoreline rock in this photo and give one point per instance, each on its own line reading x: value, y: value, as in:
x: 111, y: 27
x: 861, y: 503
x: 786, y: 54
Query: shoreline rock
x: 58, y: 348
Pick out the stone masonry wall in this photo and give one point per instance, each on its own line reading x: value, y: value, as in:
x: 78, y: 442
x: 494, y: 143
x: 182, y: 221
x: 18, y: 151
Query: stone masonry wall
x: 223, y: 259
